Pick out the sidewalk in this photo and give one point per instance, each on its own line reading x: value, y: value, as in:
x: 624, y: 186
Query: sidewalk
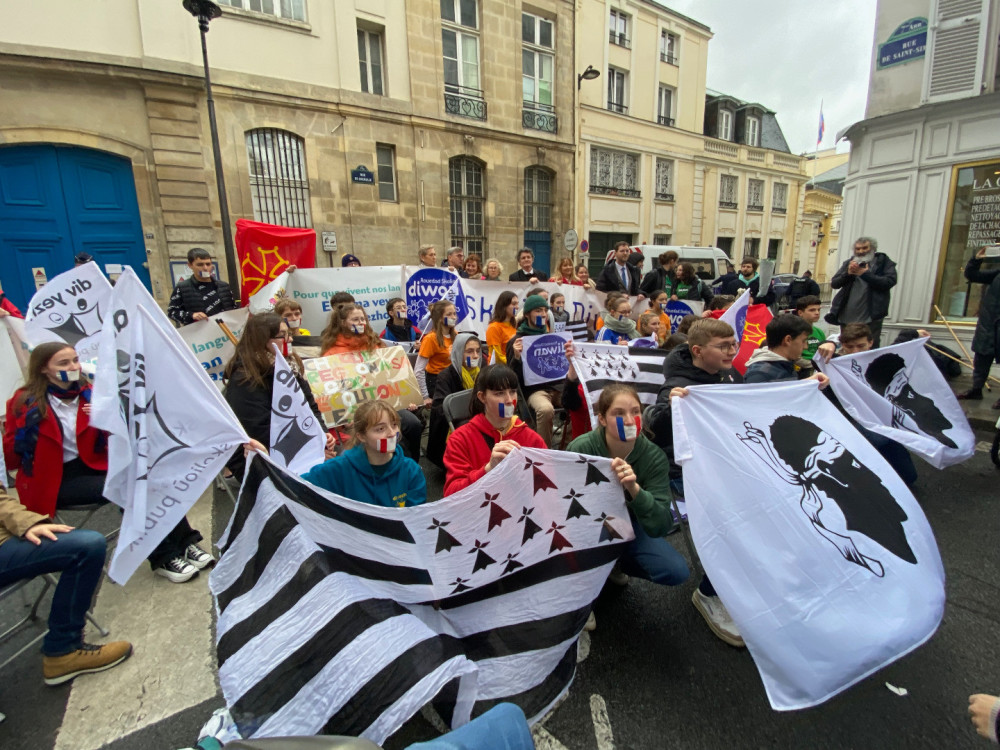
x: 981, y: 414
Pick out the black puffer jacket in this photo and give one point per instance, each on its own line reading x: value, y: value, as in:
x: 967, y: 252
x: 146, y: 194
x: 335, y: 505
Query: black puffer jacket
x: 190, y: 297
x: 986, y: 340
x: 881, y: 277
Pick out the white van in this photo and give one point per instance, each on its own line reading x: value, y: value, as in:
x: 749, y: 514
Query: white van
x: 709, y: 262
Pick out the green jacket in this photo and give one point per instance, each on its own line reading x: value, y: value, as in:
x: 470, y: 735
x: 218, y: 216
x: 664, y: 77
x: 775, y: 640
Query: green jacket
x: 651, y: 506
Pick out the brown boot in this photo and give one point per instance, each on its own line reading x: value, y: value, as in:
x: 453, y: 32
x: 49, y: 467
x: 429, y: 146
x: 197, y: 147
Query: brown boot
x: 86, y: 659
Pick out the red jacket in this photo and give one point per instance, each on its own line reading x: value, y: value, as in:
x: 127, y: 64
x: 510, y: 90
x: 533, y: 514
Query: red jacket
x: 6, y: 304
x: 38, y: 491
x: 471, y: 445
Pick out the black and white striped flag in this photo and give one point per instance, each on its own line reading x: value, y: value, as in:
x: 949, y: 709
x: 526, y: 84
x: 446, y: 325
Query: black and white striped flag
x: 337, y: 617
x: 598, y: 365
x: 576, y: 328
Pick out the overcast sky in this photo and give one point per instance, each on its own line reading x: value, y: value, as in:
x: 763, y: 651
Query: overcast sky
x: 788, y: 55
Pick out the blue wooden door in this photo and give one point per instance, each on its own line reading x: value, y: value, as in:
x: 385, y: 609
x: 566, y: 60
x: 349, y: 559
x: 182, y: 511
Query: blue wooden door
x: 58, y: 201
x: 541, y: 245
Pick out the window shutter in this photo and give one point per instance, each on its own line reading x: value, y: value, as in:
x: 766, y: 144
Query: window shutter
x: 955, y: 49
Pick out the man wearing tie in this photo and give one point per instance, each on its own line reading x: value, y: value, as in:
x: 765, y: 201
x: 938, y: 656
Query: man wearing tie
x: 620, y: 276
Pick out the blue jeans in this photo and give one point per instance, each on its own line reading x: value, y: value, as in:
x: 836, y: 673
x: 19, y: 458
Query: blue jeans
x: 79, y: 555
x: 654, y: 559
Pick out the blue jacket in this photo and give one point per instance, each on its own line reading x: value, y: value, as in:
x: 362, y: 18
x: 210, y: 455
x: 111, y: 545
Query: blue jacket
x: 351, y: 475
x: 767, y: 367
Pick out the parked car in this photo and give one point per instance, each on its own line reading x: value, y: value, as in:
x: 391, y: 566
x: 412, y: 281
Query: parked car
x: 782, y: 283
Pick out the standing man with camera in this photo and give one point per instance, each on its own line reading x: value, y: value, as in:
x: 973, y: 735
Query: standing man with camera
x: 864, y: 282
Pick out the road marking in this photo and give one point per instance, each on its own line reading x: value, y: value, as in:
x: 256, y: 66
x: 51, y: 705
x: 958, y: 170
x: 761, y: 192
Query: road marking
x: 583, y: 647
x: 544, y: 740
x: 602, y: 726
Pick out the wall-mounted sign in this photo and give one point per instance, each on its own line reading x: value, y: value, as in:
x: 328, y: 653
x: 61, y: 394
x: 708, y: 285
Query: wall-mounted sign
x: 38, y: 274
x: 571, y: 240
x: 362, y: 175
x: 908, y: 42
x: 330, y: 241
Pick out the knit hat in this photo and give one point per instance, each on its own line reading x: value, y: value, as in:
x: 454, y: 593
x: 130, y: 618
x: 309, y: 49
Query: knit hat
x: 533, y: 302
x: 347, y: 259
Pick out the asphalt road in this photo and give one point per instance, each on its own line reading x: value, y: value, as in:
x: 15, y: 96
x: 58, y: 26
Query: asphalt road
x: 668, y: 682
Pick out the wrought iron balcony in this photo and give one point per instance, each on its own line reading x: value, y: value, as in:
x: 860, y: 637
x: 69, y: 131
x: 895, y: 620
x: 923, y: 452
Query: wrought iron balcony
x: 668, y: 57
x: 464, y: 102
x: 664, y: 120
x: 616, y: 107
x: 777, y: 209
x: 754, y: 207
x: 728, y: 204
x: 664, y: 197
x: 608, y: 190
x: 619, y: 39
x: 536, y: 116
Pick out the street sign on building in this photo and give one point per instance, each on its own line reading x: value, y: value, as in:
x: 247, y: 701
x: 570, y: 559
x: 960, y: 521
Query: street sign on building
x: 571, y: 240
x: 330, y: 242
x: 362, y: 175
x: 38, y: 274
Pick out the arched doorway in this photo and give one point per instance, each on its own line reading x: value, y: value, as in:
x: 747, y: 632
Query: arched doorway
x: 57, y: 201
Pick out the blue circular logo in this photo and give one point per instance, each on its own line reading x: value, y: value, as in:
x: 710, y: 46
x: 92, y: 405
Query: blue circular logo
x: 427, y: 286
x: 547, y: 356
x: 676, y: 310
x: 741, y: 321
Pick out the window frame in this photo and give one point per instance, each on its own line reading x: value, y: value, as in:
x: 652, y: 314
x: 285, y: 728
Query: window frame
x: 366, y: 66
x: 532, y: 208
x: 752, y: 131
x: 277, y: 14
x: 380, y: 149
x: 469, y: 205
x: 725, y: 129
x: 760, y: 185
x: 618, y: 26
x: 615, y: 75
x: 537, y: 50
x: 665, y: 118
x: 276, y: 197
x: 776, y: 205
x: 668, y: 47
x: 663, y: 180
x: 629, y: 171
x: 458, y: 18
x: 725, y: 179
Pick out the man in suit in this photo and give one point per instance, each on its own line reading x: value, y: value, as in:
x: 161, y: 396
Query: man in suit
x: 526, y: 272
x: 620, y: 276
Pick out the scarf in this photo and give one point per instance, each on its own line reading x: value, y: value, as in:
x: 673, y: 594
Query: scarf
x: 70, y: 392
x: 403, y: 331
x: 748, y: 282
x: 469, y: 377
x: 526, y: 329
x: 26, y: 437
x: 624, y: 327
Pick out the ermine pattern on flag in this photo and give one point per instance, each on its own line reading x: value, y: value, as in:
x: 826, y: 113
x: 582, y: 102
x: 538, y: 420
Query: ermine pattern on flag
x: 337, y: 617
x: 598, y: 365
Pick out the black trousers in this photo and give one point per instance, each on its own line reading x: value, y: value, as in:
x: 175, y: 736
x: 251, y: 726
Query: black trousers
x: 981, y: 364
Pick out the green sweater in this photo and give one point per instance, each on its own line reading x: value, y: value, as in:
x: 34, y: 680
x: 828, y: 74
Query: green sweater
x: 651, y: 505
x: 816, y: 338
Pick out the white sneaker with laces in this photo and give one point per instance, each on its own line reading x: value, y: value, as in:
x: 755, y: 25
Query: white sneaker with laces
x: 718, y: 619
x: 176, y: 570
x: 198, y: 557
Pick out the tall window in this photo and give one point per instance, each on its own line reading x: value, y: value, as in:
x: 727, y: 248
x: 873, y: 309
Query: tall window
x: 729, y: 186
x: 616, y: 91
x: 664, y: 180
x: 291, y: 9
x: 779, y: 198
x: 460, y: 45
x: 725, y: 125
x: 537, y: 199
x: 465, y: 182
x: 614, y: 172
x: 618, y: 29
x: 278, y: 183
x: 755, y: 195
x: 753, y: 131
x: 751, y: 247
x: 385, y: 160
x: 661, y: 239
x: 665, y: 106
x: 668, y: 47
x: 537, y: 63
x: 370, y: 60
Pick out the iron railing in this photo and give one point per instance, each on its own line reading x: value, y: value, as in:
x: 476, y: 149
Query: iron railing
x: 536, y: 116
x: 464, y: 102
x: 608, y: 190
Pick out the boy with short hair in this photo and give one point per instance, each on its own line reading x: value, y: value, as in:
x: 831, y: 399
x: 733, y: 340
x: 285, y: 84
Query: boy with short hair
x: 787, y: 337
x: 200, y: 295
x: 855, y: 338
x: 291, y: 312
x: 808, y: 308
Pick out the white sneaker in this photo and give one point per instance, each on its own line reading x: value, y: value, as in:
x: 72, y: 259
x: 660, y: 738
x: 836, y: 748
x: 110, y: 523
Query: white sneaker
x: 718, y: 619
x: 198, y: 557
x: 176, y: 570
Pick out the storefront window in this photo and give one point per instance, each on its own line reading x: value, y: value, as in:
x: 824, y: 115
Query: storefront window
x: 975, y: 222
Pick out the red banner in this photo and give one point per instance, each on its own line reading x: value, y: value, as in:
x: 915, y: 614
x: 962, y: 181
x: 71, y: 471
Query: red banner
x: 758, y: 316
x: 265, y: 251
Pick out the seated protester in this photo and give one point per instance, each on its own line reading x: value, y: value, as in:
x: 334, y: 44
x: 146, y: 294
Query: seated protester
x: 574, y: 399
x: 502, y: 327
x: 807, y: 307
x: 62, y: 460
x: 30, y: 545
x: 8, y: 308
x: 618, y: 328
x: 687, y: 286
x: 644, y: 473
x: 373, y: 470
x: 706, y: 359
x: 720, y: 303
x: 673, y: 341
x: 200, y: 295
x: 749, y: 279
x: 544, y: 397
x: 460, y: 375
x: 544, y: 294
x: 435, y: 347
x: 648, y: 329
x: 479, y: 445
x: 559, y: 313
x: 291, y: 312
x: 787, y: 337
x: 398, y: 327
x: 610, y: 303
x: 349, y: 331
x: 658, y: 303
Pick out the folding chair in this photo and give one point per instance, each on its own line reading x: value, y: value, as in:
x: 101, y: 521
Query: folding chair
x: 88, y: 512
x: 456, y: 408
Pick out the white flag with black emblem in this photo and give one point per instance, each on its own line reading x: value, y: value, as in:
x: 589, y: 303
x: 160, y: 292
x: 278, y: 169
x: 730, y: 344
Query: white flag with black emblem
x: 297, y: 437
x: 822, y: 556
x: 898, y: 392
x: 70, y: 308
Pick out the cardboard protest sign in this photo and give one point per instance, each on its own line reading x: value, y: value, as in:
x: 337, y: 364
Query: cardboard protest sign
x: 342, y: 381
x: 544, y: 358
x: 211, y: 347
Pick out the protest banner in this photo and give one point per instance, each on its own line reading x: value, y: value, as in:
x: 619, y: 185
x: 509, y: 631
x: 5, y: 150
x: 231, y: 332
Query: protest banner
x: 342, y: 381
x: 13, y: 358
x: 544, y: 358
x: 70, y: 308
x: 265, y: 251
x: 210, y: 345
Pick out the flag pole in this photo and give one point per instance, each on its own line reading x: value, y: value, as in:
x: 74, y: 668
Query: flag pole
x: 228, y: 331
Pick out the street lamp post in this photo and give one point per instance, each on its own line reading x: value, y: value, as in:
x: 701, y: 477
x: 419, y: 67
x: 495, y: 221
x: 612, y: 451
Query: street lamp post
x: 588, y: 75
x: 205, y: 11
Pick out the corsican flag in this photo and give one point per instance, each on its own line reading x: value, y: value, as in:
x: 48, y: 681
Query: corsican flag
x: 70, y: 308
x: 338, y: 617
x: 598, y: 365
x: 898, y: 392
x: 297, y: 437
x: 823, y: 557
x: 170, y: 432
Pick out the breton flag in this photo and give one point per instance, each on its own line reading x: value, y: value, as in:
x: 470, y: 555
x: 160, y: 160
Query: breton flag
x: 898, y: 392
x: 823, y: 557
x: 70, y: 308
x: 577, y: 329
x: 598, y: 365
x: 338, y: 617
x: 749, y: 323
x: 170, y: 430
x: 297, y: 437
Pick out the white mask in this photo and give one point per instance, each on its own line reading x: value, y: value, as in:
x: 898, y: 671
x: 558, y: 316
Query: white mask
x: 451, y: 321
x: 472, y: 362
x: 358, y: 328
x: 205, y: 274
x: 387, y: 445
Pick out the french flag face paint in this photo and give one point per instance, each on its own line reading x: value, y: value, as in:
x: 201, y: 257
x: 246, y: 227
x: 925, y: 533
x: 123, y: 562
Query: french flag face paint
x: 69, y: 376
x: 627, y: 432
x: 387, y: 445
x: 505, y: 411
